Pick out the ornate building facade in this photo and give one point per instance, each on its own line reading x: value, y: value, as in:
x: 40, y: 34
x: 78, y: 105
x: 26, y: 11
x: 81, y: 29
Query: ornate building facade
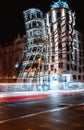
x: 11, y: 55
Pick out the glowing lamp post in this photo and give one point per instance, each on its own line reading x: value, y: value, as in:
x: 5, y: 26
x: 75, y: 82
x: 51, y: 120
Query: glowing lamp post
x: 49, y: 79
x: 39, y: 62
x: 16, y: 68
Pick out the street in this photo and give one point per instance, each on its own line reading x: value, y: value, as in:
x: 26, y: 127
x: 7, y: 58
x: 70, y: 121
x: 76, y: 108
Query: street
x: 54, y: 113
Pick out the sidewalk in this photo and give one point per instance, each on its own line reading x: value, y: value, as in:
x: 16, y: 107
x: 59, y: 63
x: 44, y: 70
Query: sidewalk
x: 18, y: 96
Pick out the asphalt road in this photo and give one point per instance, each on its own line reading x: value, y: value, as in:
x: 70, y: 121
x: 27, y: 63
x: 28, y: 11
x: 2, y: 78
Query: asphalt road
x: 54, y: 113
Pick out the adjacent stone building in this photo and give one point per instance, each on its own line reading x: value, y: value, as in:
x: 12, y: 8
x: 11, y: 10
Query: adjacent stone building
x: 11, y: 55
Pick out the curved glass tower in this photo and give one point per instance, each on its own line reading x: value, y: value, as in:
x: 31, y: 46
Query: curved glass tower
x: 35, y: 48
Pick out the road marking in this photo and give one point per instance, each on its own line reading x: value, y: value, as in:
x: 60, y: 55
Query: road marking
x: 33, y: 114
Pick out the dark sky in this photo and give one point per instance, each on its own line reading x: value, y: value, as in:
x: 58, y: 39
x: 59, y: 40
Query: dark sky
x: 11, y: 15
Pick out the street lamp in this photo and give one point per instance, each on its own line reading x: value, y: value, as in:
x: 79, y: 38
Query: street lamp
x: 39, y: 62
x: 49, y: 79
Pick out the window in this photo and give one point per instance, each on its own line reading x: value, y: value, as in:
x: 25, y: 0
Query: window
x: 79, y: 37
x: 53, y: 49
x: 79, y: 69
x: 74, y: 76
x: 51, y: 28
x: 79, y: 77
x: 67, y: 47
x: 53, y: 58
x: 60, y: 55
x: 67, y: 27
x: 28, y: 16
x: 29, y: 34
x: 80, y: 62
x: 75, y: 44
x: 68, y: 67
x: 52, y: 67
x: 83, y: 61
x: 60, y: 65
x: 79, y: 46
x: 50, y: 19
x: 67, y: 16
x: 58, y: 26
x: 83, y: 68
x: 74, y: 36
x: 68, y: 57
x: 58, y: 15
x: 60, y: 46
x: 38, y: 15
x: 33, y: 15
x: 83, y: 77
x: 75, y: 67
x: 34, y: 49
x: 80, y: 54
x: 38, y: 23
x: 29, y: 25
x: 34, y: 23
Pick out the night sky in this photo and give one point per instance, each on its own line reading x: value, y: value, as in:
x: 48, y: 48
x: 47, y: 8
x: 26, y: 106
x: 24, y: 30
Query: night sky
x: 11, y: 15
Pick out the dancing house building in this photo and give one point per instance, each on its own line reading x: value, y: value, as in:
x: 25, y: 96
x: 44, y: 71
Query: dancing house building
x: 52, y: 51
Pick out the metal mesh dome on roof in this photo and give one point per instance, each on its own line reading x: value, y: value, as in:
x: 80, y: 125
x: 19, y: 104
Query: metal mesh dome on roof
x: 60, y: 4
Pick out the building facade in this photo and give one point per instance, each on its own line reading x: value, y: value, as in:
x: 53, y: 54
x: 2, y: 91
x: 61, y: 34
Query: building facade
x: 34, y: 62
x: 60, y: 23
x: 65, y: 55
x: 11, y: 56
x: 78, y: 47
x: 53, y: 38
x: 52, y: 52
